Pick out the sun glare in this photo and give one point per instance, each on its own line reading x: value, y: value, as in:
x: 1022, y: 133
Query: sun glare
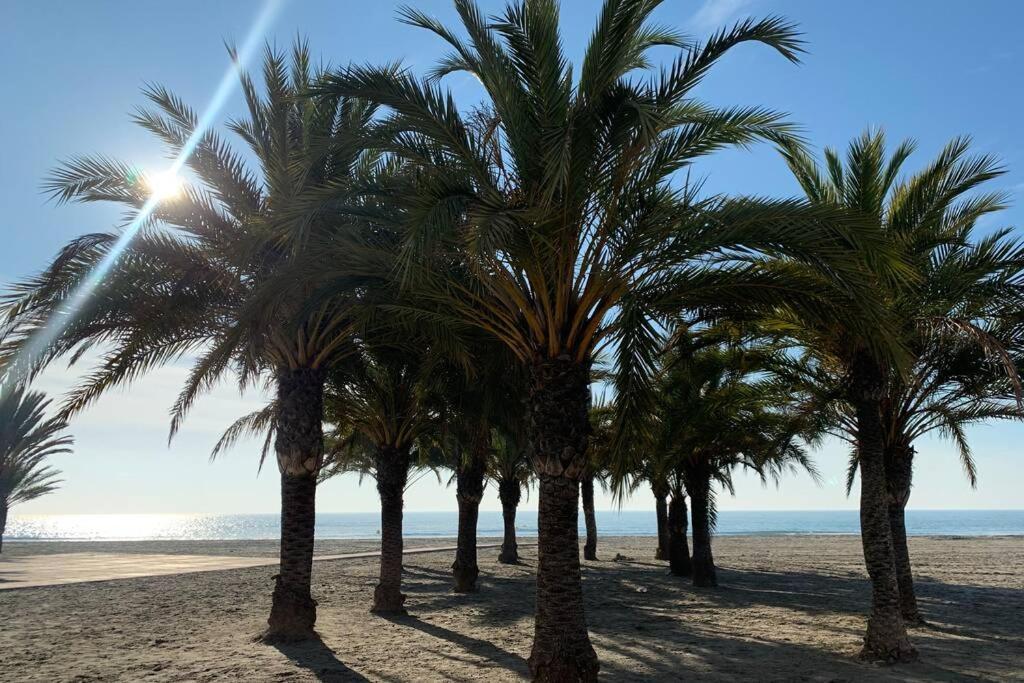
x: 165, y: 185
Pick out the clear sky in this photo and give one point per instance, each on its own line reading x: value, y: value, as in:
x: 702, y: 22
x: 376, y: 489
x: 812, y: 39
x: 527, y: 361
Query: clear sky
x: 72, y: 71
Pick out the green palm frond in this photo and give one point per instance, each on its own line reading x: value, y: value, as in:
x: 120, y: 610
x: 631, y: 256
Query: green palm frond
x: 27, y: 439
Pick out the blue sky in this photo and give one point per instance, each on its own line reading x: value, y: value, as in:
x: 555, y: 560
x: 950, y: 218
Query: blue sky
x: 72, y: 73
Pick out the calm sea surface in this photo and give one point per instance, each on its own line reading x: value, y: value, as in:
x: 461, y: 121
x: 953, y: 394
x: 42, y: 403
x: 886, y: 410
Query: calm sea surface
x: 441, y: 524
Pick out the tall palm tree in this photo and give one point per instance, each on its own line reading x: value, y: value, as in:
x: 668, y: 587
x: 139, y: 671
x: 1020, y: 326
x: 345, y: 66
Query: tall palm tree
x: 908, y: 215
x: 27, y: 439
x: 960, y: 316
x: 561, y: 199
x: 202, y: 278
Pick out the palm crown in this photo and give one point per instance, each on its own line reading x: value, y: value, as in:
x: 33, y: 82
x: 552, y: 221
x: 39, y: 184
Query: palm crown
x: 958, y: 320
x: 559, y: 190
x: 27, y: 439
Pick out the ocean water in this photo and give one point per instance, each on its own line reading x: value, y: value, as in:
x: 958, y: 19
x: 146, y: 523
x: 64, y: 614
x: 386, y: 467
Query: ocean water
x: 444, y: 524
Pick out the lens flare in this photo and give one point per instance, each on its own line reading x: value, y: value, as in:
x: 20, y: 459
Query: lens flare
x: 163, y: 186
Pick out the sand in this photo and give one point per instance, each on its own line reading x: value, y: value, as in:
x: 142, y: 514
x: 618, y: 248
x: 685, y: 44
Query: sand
x: 789, y: 608
x: 51, y: 569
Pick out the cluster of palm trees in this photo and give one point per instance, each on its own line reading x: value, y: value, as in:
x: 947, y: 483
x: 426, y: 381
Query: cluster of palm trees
x: 418, y: 285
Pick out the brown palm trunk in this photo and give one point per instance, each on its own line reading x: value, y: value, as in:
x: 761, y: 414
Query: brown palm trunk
x: 899, y: 465
x: 678, y: 548
x: 559, y: 426
x: 392, y: 466
x: 699, y: 487
x: 510, y: 493
x: 3, y: 524
x: 886, y: 636
x: 589, y: 519
x: 661, y: 512
x: 299, y: 448
x: 469, y: 492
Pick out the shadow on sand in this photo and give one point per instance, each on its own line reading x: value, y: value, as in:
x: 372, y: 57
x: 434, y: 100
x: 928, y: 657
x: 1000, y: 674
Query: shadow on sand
x: 320, y: 660
x: 473, y: 646
x: 661, y: 627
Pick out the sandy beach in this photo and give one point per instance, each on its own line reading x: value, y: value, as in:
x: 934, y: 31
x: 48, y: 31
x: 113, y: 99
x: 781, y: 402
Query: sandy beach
x: 789, y: 609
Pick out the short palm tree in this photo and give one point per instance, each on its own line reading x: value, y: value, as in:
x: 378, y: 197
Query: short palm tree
x: 203, y: 279
x: 27, y: 439
x: 723, y: 408
x: 509, y: 467
x: 959, y: 316
x: 649, y: 465
x: 389, y: 403
x: 599, y: 453
x: 560, y: 193
x: 476, y: 403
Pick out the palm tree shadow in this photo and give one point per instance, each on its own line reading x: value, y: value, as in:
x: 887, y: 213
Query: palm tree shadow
x: 320, y: 660
x: 475, y: 646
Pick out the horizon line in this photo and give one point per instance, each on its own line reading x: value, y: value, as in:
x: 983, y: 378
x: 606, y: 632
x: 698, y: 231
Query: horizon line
x: 374, y: 512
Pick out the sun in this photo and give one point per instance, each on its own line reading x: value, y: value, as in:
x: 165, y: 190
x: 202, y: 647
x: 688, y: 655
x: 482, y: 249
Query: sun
x: 164, y: 185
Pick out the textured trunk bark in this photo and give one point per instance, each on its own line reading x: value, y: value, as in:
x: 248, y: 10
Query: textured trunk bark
x: 590, y: 520
x: 699, y: 488
x: 559, y: 426
x: 899, y: 467
x: 886, y: 636
x: 510, y: 493
x: 661, y: 511
x: 392, y: 465
x: 678, y: 548
x: 469, y: 492
x: 299, y: 448
x: 3, y: 524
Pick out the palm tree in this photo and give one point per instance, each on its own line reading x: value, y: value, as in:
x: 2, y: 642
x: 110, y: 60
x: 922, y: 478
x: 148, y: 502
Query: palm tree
x: 864, y: 360
x: 599, y: 454
x: 559, y: 194
x: 389, y: 405
x: 470, y: 481
x: 203, y: 277
x: 509, y: 467
x: 27, y: 439
x: 628, y: 472
x: 476, y: 402
x: 722, y: 407
x: 661, y: 493
x: 960, y: 320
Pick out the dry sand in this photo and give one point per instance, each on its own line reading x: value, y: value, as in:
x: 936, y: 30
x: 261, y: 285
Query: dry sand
x: 789, y: 608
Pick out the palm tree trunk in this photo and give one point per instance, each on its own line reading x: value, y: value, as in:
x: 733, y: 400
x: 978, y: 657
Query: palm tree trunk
x: 392, y: 466
x: 587, y: 491
x: 699, y: 488
x: 559, y: 425
x: 469, y: 492
x: 886, y: 636
x: 3, y: 524
x: 899, y: 465
x: 510, y: 493
x: 299, y: 448
x: 661, y: 512
x: 678, y: 549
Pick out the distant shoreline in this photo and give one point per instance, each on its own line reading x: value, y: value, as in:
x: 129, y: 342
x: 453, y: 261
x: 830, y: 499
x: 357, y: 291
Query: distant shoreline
x: 365, y: 526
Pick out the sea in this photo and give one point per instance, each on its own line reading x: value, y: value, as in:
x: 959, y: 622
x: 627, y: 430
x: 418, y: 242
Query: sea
x: 150, y: 527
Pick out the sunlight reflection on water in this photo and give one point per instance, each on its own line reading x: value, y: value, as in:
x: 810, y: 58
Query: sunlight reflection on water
x: 201, y: 527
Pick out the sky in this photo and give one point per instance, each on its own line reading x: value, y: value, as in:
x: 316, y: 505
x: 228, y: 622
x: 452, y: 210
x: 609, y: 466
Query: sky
x: 72, y: 74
